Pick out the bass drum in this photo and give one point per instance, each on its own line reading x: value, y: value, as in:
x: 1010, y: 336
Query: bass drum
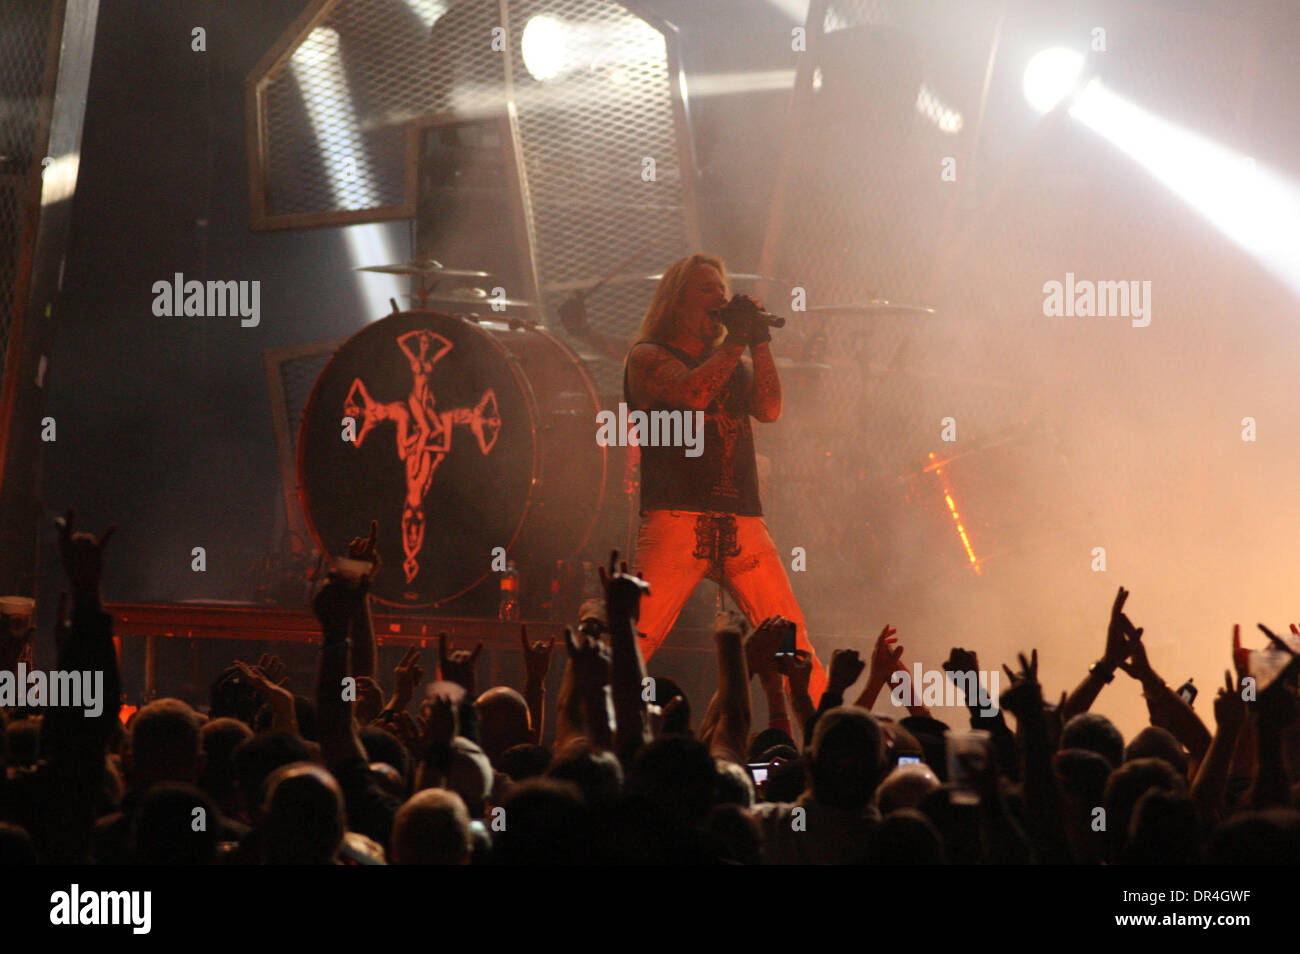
x: 459, y: 436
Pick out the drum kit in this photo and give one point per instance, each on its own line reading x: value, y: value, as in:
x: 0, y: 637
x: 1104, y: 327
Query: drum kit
x: 466, y: 430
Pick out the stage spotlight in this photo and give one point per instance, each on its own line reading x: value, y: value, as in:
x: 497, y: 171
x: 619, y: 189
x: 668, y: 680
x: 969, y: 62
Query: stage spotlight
x: 1051, y: 76
x: 544, y: 45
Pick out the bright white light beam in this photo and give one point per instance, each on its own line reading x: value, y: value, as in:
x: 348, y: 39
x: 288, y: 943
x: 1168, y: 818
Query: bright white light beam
x: 318, y: 69
x: 1257, y: 209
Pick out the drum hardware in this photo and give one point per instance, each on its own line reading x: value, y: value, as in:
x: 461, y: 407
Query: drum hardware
x: 429, y: 272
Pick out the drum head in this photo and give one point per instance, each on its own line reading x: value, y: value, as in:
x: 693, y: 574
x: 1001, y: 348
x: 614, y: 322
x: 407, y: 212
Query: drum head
x: 421, y: 423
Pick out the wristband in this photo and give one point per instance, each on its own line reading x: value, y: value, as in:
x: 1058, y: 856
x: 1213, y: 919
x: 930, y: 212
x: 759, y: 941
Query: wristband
x: 1103, y: 669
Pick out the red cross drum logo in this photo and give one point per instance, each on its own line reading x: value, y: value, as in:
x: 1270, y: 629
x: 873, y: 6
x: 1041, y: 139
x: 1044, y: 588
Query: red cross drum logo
x: 423, y: 432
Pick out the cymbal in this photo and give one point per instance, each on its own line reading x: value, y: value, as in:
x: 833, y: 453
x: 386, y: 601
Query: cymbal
x: 479, y: 296
x: 425, y: 269
x: 874, y: 306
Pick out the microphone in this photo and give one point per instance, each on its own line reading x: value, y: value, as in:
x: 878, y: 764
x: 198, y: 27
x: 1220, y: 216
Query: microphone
x: 739, y: 303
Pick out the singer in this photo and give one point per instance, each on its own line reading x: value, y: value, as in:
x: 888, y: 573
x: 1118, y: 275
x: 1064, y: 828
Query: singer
x: 701, y: 516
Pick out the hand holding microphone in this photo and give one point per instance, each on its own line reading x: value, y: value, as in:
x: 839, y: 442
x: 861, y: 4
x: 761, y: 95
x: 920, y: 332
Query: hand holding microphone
x: 746, y: 321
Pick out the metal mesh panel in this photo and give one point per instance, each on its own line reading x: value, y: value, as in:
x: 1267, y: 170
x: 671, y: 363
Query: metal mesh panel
x: 585, y: 135
x: 843, y: 14
x: 861, y: 216
x: 24, y: 33
x: 336, y: 110
x: 298, y: 376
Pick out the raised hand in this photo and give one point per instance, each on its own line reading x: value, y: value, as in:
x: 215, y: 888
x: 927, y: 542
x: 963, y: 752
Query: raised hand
x: 590, y: 659
x: 1229, y: 707
x: 761, y: 645
x: 457, y: 665
x: 82, y: 555
x: 363, y: 548
x: 409, y: 731
x: 846, y: 666
x: 276, y: 696
x: 798, y: 670
x: 408, y: 675
x: 623, y: 591
x: 273, y: 669
x: 1025, y: 693
x: 442, y: 721
x: 1137, y: 665
x: 537, y: 656
x: 961, y: 660
x: 964, y: 661
x: 886, y: 658
x: 370, y: 700
x: 1240, y: 655
x: 1117, y: 643
x: 337, y: 605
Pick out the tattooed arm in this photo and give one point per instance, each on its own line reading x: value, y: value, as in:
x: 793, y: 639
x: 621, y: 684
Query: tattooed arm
x: 765, y: 389
x: 656, y: 375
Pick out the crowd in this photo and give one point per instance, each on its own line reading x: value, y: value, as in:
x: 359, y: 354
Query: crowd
x: 439, y: 772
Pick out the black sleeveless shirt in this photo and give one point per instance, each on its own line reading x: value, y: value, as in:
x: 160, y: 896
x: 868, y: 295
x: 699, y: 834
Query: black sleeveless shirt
x: 724, y: 478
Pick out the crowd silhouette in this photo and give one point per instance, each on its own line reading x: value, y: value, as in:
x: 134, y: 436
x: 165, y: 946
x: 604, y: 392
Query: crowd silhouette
x: 444, y: 771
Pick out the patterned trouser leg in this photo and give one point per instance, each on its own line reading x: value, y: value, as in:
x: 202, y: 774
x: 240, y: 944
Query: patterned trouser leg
x: 677, y: 549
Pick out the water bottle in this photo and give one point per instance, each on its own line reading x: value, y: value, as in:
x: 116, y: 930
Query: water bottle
x: 508, y: 609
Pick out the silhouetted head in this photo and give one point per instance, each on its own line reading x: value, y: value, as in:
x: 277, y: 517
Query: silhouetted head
x: 382, y: 746
x: 1165, y: 830
x: 766, y: 740
x: 734, y: 784
x: 502, y: 721
x: 256, y: 758
x: 1126, y: 785
x: 1096, y: 733
x: 432, y: 828
x: 1267, y: 837
x: 1157, y: 743
x: 524, y: 761
x: 905, y: 837
x: 16, y: 846
x: 220, y: 738
x: 176, y: 824
x: 166, y: 745
x: 735, y: 834
x: 596, y: 772
x: 679, y: 720
x: 546, y: 824
x: 675, y: 776
x: 304, y: 820
x: 846, y: 759
x: 906, y: 787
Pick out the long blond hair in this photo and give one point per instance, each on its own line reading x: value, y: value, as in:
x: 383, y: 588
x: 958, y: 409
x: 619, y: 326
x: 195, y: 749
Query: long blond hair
x: 660, y: 321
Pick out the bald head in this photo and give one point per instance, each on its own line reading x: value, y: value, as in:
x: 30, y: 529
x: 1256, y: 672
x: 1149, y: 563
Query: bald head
x: 304, y: 815
x: 905, y: 787
x: 502, y: 721
x: 432, y: 828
